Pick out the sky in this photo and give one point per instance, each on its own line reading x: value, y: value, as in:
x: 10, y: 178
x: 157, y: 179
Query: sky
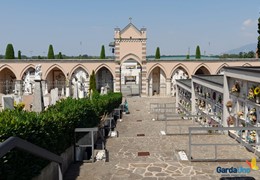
x: 83, y: 26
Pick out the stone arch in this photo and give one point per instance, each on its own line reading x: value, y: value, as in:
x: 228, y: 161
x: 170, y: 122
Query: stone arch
x: 55, y: 78
x: 27, y: 78
x: 7, y: 79
x: 181, y: 66
x: 130, y: 75
x: 104, y: 78
x: 202, y: 69
x: 106, y: 66
x: 246, y: 64
x: 154, y: 66
x: 180, y: 71
x: 76, y: 67
x: 25, y: 69
x: 79, y: 78
x: 157, y: 80
x: 221, y: 68
x: 131, y: 56
x: 10, y: 68
x: 51, y: 68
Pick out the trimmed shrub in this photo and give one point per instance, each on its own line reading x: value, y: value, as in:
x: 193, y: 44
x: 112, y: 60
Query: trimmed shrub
x: 52, y: 129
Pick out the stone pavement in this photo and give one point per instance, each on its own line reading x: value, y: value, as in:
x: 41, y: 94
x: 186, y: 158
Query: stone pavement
x: 162, y: 162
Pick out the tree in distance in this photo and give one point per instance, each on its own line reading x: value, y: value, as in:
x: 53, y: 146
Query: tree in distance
x: 51, y: 52
x: 19, y: 54
x: 60, y: 56
x: 9, y: 53
x: 102, y: 53
x: 157, y: 53
x: 198, y: 56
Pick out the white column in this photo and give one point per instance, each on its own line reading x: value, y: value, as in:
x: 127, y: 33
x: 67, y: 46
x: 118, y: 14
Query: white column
x: 150, y: 85
x: 168, y: 87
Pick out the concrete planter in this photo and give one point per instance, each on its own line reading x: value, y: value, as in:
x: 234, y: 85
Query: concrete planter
x: 51, y: 171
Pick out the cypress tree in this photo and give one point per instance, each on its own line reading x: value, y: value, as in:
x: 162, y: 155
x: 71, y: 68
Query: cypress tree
x: 9, y: 53
x: 60, y: 56
x: 157, y: 53
x: 92, y: 82
x: 51, y: 52
x: 188, y: 56
x: 102, y: 53
x: 19, y: 55
x: 258, y: 43
x: 198, y: 52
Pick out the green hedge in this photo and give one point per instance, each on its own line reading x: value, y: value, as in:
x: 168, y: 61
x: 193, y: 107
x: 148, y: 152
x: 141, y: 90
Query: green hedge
x: 52, y: 129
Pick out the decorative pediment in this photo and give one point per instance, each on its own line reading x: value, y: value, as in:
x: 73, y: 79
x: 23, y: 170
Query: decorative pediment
x: 130, y: 31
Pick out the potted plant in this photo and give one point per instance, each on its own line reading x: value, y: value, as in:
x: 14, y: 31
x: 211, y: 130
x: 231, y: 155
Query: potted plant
x: 251, y: 93
x: 257, y: 94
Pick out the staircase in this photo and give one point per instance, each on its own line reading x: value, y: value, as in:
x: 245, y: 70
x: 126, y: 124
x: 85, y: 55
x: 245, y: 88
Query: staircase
x: 130, y: 89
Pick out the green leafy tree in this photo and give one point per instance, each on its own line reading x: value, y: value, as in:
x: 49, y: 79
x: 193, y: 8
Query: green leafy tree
x: 19, y: 54
x: 258, y: 43
x: 51, y: 52
x: 157, y: 53
x: 92, y: 82
x: 60, y: 56
x: 198, y: 56
x: 9, y: 53
x: 188, y: 56
x: 102, y: 53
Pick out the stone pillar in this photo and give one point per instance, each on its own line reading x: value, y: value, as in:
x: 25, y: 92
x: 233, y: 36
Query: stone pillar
x: 144, y: 91
x: 44, y: 87
x: 168, y: 86
x: 19, y: 87
x: 117, y: 87
x: 114, y: 85
x: 38, y: 96
x: 162, y: 83
x: 147, y: 87
x: 67, y: 91
x: 150, y: 85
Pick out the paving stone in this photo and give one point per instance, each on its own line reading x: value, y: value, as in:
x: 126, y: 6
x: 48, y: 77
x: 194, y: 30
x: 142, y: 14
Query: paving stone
x: 140, y: 171
x: 162, y: 165
x: 173, y: 168
x: 154, y: 169
x: 135, y: 176
x: 186, y: 170
x: 149, y: 178
x: 161, y: 174
x: 140, y: 165
x: 122, y: 172
x: 169, y: 178
x: 148, y: 174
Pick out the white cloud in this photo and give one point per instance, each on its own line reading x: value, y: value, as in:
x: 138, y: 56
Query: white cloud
x: 248, y: 23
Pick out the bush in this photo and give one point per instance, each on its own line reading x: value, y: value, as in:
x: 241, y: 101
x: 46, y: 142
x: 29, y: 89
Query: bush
x: 52, y: 129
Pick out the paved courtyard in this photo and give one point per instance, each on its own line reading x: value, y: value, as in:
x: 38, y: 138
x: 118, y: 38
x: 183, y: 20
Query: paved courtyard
x: 163, y: 161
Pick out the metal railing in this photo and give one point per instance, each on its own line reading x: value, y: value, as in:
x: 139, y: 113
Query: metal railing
x: 16, y: 142
x: 182, y: 129
x: 239, y: 141
x: 161, y: 109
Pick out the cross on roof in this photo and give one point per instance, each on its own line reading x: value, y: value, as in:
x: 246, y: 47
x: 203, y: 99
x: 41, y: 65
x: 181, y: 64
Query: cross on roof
x: 130, y: 19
